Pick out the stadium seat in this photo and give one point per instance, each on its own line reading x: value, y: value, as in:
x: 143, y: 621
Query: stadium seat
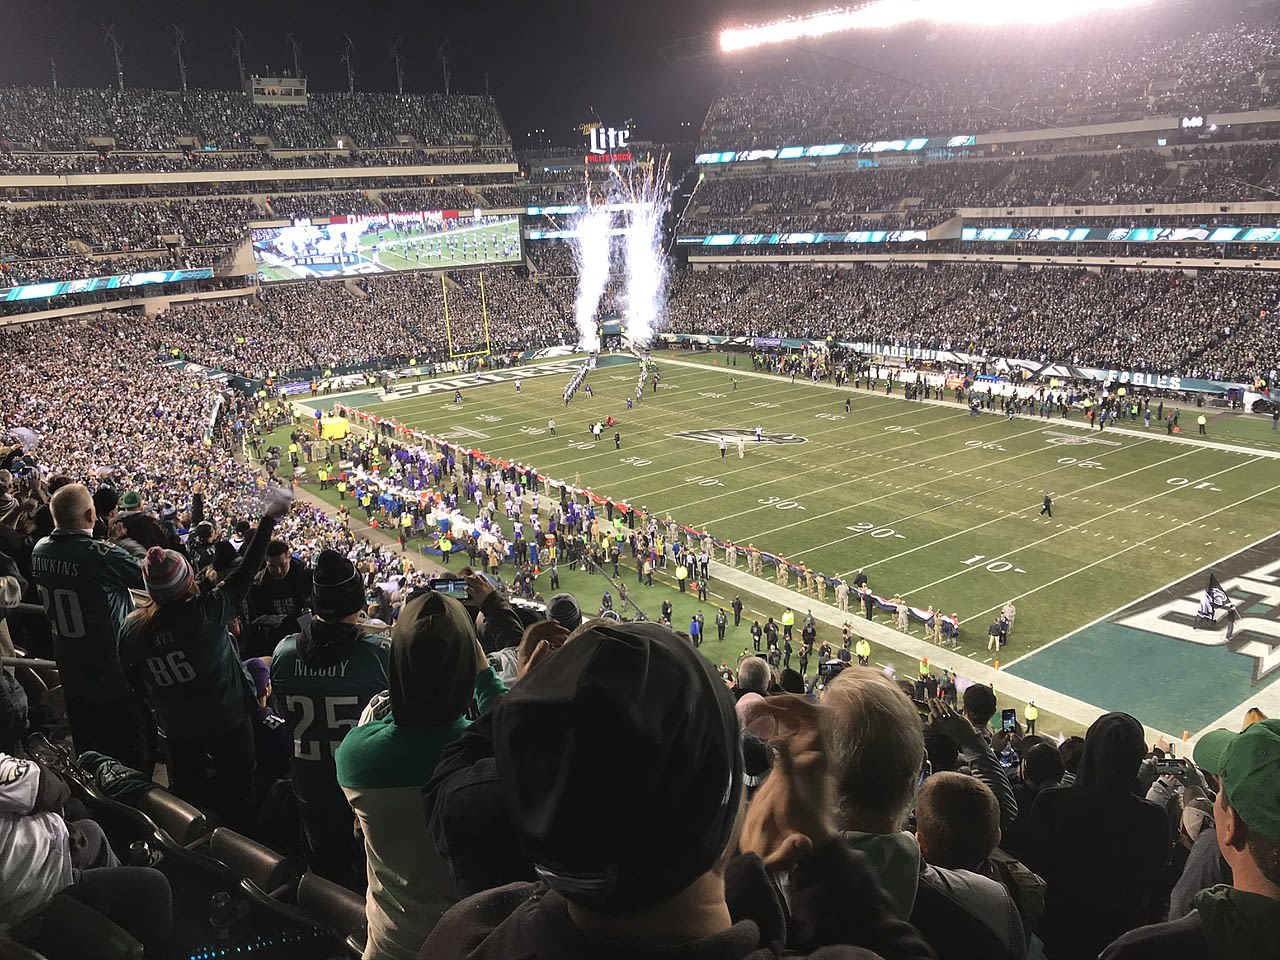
x: 45, y: 701
x: 184, y: 824
x: 68, y: 930
x: 335, y: 907
x: 252, y: 862
x: 13, y: 950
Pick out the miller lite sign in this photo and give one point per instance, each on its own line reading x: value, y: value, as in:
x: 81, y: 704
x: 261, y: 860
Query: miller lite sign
x: 607, y: 140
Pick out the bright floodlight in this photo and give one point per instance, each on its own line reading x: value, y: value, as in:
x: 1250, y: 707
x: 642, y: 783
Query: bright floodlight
x: 881, y: 14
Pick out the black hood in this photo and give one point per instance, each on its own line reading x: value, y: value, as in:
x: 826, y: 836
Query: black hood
x: 1113, y: 751
x: 433, y: 661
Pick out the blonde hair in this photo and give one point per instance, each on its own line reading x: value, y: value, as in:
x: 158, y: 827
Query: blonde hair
x: 876, y: 745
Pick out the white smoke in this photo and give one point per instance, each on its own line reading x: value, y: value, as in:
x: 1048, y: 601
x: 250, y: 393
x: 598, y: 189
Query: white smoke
x: 646, y: 273
x: 591, y: 250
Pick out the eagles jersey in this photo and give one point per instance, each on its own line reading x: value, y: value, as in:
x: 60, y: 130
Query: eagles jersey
x: 322, y: 678
x: 84, y: 587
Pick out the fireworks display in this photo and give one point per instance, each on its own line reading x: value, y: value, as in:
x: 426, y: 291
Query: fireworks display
x: 630, y: 205
x: 591, y: 249
x: 646, y: 261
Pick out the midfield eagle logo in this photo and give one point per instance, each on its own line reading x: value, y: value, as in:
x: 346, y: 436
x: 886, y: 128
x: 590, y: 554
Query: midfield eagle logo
x: 732, y: 435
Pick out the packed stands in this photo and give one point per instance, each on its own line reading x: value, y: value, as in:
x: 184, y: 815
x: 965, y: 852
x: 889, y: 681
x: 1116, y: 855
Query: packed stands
x: 994, y: 854
x: 440, y: 727
x: 1226, y: 174
x: 1112, y: 67
x: 67, y: 118
x: 309, y: 326
x: 1143, y: 320
x: 48, y: 230
x: 123, y: 161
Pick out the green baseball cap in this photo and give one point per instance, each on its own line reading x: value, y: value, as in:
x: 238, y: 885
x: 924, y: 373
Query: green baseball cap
x: 1249, y: 765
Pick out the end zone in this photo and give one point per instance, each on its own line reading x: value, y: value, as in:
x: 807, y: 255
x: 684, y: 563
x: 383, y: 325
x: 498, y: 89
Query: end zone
x: 1151, y: 658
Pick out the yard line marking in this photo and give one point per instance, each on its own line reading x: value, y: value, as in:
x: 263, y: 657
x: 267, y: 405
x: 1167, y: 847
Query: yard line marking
x: 1049, y: 422
x: 951, y: 502
x: 1010, y: 553
x: 641, y: 416
x: 802, y: 473
x: 1112, y: 556
x: 1005, y: 516
x: 857, y: 479
x: 772, y: 458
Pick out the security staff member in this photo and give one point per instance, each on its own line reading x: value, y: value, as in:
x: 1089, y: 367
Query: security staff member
x: 863, y: 649
x: 788, y: 621
x: 1031, y: 714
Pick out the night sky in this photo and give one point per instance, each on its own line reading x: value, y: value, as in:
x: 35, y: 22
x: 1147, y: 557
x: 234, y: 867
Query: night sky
x: 548, y: 64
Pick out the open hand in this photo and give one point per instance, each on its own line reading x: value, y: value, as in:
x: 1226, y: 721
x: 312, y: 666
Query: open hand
x: 945, y: 719
x: 791, y: 814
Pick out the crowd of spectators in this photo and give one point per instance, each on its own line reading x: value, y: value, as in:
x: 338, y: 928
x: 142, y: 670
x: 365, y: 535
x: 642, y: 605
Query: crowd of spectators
x: 856, y: 823
x: 16, y: 272
x: 1158, y: 320
x: 122, y: 161
x: 33, y: 231
x: 317, y: 325
x: 491, y: 750
x: 323, y: 204
x: 1114, y: 66
x: 1132, y: 176
x: 438, y: 198
x: 137, y: 119
x: 506, y: 196
x: 527, y: 781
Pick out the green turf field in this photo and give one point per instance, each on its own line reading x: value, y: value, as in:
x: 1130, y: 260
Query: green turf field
x: 438, y: 255
x: 936, y: 505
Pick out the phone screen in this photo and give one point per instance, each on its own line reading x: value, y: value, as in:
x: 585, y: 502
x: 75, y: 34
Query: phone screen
x: 453, y: 588
x: 1008, y: 720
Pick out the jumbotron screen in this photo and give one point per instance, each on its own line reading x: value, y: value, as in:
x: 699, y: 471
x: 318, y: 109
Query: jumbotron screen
x: 384, y: 243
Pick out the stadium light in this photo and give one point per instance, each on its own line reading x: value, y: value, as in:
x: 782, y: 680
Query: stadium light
x: 884, y: 14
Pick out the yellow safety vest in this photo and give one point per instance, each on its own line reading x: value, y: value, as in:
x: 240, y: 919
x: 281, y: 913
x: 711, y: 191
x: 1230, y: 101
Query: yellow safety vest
x: 682, y: 573
x: 1031, y: 712
x: 863, y: 648
x: 924, y: 669
x: 788, y: 619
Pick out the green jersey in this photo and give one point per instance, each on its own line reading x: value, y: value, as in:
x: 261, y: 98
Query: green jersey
x: 321, y: 680
x: 84, y: 587
x: 185, y: 658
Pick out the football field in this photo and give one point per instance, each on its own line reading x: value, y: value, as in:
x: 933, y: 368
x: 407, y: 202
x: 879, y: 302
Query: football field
x: 474, y: 246
x: 942, y: 508
x: 394, y: 254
